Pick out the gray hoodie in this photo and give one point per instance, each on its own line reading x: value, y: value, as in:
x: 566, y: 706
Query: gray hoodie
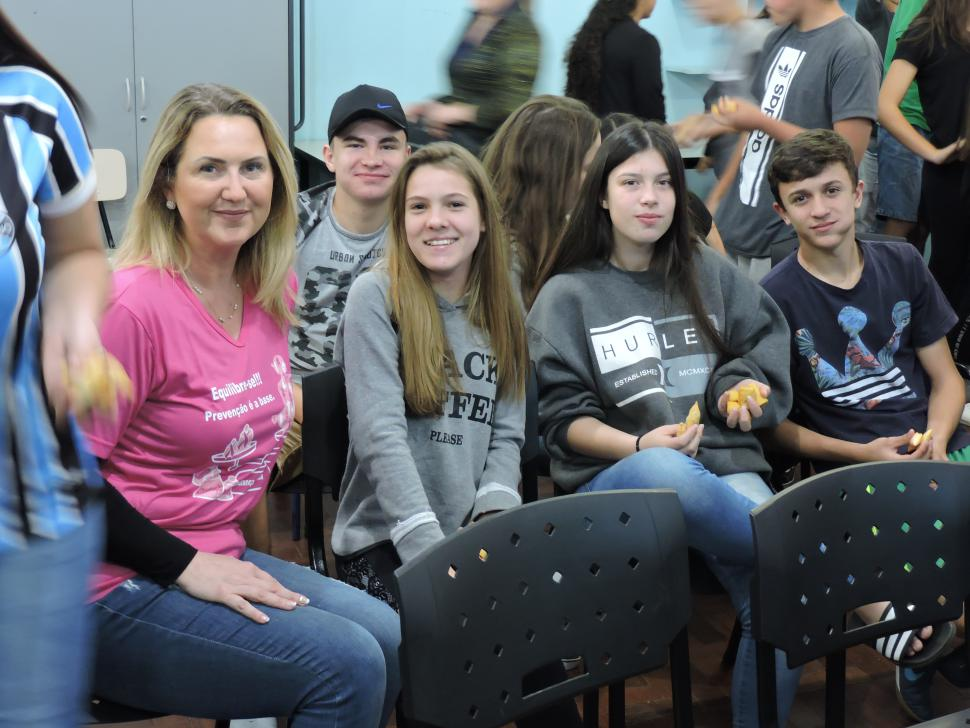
x: 410, y: 479
x: 608, y: 344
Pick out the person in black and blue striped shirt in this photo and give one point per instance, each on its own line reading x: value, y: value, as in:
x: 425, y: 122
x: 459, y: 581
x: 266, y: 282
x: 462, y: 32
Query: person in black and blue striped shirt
x: 53, y: 283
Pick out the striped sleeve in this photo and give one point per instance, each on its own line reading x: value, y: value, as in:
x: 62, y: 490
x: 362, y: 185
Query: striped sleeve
x: 69, y: 180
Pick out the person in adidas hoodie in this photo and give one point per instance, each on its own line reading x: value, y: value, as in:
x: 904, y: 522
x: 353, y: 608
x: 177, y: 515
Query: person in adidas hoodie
x: 821, y: 70
x: 635, y: 323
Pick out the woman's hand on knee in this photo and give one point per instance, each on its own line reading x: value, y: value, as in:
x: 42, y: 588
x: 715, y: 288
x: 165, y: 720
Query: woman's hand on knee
x: 236, y: 584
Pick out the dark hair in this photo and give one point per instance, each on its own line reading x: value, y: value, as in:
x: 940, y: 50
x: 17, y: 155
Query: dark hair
x: 589, y: 235
x: 806, y: 155
x: 940, y: 21
x: 614, y: 120
x: 584, y: 59
x: 15, y: 50
x: 535, y: 162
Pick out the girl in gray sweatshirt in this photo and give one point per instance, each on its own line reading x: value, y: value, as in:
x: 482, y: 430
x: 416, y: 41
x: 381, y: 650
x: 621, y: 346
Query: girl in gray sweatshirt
x: 434, y: 353
x: 635, y: 323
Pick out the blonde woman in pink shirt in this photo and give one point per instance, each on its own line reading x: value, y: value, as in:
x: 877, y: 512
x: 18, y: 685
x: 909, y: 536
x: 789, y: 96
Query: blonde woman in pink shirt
x: 198, y: 318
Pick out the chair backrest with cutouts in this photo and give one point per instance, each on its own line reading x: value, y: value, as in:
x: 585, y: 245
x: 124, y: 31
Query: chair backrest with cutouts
x: 603, y: 576
x: 862, y: 534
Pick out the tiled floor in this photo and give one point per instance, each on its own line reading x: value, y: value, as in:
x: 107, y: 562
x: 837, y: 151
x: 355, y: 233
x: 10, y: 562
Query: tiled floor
x: 871, y: 700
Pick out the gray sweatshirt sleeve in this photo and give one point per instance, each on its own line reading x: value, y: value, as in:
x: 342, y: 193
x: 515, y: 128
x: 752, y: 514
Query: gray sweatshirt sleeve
x: 567, y: 389
x: 497, y: 489
x: 758, y: 333
x: 378, y: 428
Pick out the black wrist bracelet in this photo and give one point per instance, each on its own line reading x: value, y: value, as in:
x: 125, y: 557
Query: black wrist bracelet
x: 638, y: 444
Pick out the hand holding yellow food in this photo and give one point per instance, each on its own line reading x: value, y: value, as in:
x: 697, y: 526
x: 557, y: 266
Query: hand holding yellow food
x: 919, y: 437
x: 739, y: 395
x: 693, y: 418
x: 724, y: 105
x: 98, y: 386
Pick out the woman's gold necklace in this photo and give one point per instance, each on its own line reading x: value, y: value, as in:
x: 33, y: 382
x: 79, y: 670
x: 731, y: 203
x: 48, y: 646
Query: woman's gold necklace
x: 201, y: 294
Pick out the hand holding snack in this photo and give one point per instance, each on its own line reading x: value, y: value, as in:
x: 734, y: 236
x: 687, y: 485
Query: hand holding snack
x: 737, y: 113
x: 693, y: 418
x: 98, y: 386
x: 919, y: 437
x: 741, y: 404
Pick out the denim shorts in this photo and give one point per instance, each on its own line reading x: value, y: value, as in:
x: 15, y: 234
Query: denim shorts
x: 900, y: 175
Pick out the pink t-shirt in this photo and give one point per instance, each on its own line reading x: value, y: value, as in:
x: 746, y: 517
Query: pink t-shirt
x: 194, y: 448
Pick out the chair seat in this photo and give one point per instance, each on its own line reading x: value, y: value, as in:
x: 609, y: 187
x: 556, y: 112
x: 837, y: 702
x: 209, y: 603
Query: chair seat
x: 961, y: 719
x: 104, y: 711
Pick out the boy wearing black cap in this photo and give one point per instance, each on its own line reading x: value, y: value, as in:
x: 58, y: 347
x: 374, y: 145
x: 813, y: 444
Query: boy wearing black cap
x: 341, y: 232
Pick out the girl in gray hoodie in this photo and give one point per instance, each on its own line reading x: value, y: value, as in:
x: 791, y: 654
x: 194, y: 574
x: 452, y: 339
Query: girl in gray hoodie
x: 435, y: 356
x: 635, y: 323
x: 434, y: 353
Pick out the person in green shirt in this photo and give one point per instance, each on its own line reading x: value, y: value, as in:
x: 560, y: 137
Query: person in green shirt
x: 900, y: 170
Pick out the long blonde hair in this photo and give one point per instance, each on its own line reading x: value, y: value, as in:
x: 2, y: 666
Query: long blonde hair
x: 493, y: 307
x: 154, y: 235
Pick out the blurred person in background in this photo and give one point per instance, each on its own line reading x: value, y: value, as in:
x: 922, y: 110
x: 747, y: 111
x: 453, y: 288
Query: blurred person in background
x: 492, y: 71
x: 613, y: 64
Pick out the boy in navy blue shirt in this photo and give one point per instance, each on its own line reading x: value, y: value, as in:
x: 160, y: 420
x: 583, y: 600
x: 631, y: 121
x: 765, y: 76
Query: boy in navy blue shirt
x: 870, y: 364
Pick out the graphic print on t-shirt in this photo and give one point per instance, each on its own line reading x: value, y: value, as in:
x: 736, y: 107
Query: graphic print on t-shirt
x: 866, y: 379
x: 648, y: 356
x: 757, y: 151
x: 232, y: 473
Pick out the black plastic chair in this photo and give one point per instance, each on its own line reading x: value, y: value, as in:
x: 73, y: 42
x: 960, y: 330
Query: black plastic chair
x: 325, y: 445
x: 531, y: 455
x: 600, y: 575
x: 104, y: 712
x: 896, y: 532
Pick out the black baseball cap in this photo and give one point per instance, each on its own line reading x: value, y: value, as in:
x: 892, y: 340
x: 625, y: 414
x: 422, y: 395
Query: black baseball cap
x: 366, y: 102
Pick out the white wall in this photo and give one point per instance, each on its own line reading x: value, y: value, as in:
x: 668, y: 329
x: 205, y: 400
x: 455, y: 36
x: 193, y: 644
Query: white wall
x: 404, y: 45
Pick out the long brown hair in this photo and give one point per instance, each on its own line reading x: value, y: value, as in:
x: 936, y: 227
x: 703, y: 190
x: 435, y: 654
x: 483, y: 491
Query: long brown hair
x: 153, y: 235
x: 942, y: 21
x: 535, y: 161
x: 589, y: 235
x: 491, y: 303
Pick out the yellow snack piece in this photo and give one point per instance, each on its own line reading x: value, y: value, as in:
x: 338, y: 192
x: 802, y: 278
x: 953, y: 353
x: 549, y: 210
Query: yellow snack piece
x: 732, y: 405
x: 99, y: 385
x: 753, y: 391
x: 919, y: 437
x: 693, y: 418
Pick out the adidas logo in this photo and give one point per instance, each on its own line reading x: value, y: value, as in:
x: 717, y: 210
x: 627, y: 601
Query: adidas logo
x: 784, y: 71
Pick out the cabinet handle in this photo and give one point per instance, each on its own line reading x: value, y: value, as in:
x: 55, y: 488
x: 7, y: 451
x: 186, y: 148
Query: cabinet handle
x: 127, y: 94
x: 141, y: 81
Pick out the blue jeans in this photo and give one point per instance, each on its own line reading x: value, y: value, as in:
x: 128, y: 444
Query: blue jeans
x: 332, y: 663
x: 45, y: 630
x: 716, y: 512
x: 900, y: 175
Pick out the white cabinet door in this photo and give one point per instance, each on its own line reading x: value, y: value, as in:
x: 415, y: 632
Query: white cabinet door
x: 241, y: 43
x: 90, y: 44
